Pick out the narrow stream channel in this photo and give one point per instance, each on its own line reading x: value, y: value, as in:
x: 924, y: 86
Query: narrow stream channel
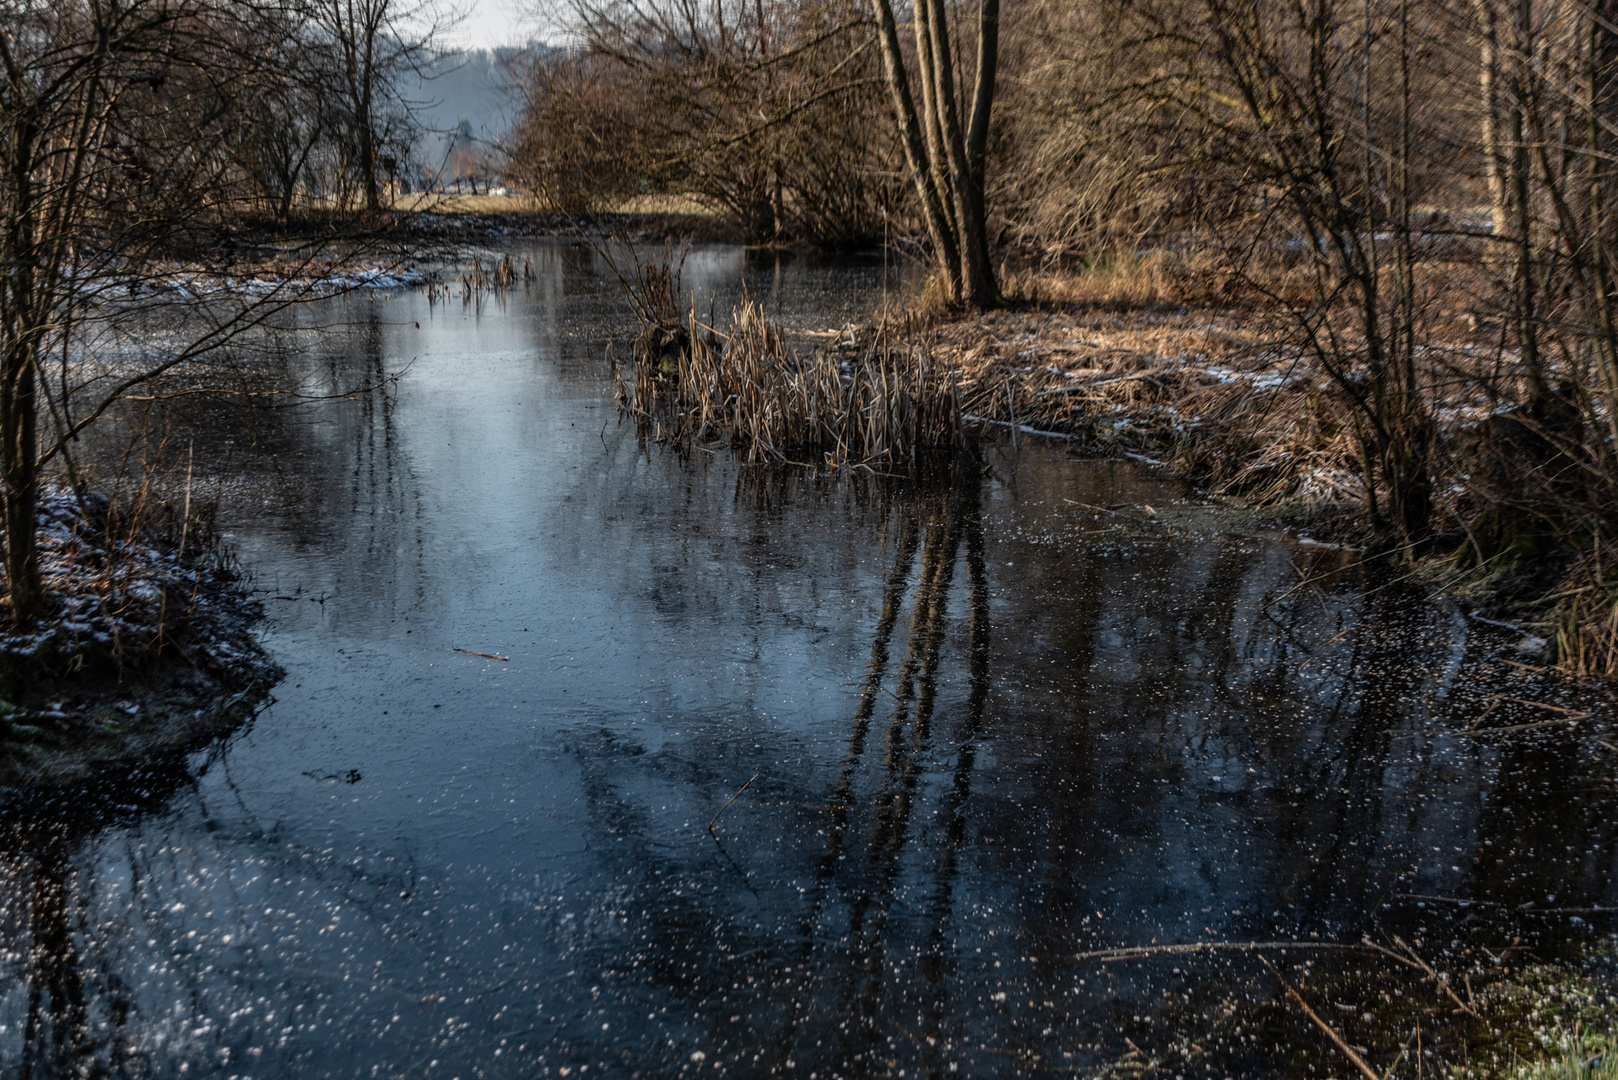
x: 984, y: 722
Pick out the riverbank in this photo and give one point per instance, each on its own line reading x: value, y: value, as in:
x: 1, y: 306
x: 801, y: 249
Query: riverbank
x: 420, y: 230
x: 317, y: 253
x: 1226, y: 397
x: 1205, y: 390
x: 148, y: 650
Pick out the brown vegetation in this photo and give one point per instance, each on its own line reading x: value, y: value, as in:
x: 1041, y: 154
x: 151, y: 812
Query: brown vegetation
x: 761, y: 110
x: 872, y: 401
x: 879, y: 403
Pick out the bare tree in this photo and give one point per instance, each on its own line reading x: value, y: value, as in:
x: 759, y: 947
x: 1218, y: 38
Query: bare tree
x: 1323, y: 121
x: 371, y: 45
x: 75, y: 73
x: 768, y: 109
x: 944, y: 151
x: 116, y: 177
x: 294, y: 118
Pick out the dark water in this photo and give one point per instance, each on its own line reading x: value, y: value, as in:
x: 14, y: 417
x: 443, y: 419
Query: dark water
x: 984, y: 723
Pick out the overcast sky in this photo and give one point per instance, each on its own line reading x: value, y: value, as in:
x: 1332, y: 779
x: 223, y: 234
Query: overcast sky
x: 491, y: 22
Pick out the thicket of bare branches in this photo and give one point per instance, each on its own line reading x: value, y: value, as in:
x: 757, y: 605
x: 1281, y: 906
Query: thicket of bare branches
x: 133, y: 133
x: 1413, y: 198
x: 761, y: 109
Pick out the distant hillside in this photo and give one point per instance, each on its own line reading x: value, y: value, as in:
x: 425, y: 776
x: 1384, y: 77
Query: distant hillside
x: 465, y: 102
x: 472, y: 86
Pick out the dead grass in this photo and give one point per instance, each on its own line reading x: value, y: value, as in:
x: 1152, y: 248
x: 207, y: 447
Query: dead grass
x: 131, y: 580
x: 1586, y: 615
x: 876, y: 404
x: 1131, y: 279
x: 670, y: 205
x: 453, y: 203
x: 1197, y: 388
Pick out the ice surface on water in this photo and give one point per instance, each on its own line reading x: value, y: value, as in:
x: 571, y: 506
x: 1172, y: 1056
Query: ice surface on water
x: 993, y: 724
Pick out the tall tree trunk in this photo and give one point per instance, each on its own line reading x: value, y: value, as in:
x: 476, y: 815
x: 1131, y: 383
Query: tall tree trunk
x: 977, y: 277
x: 366, y: 133
x: 19, y: 471
x: 1489, y: 95
x: 1519, y: 198
x: 939, y: 230
x: 977, y: 134
x: 18, y: 403
x: 945, y: 157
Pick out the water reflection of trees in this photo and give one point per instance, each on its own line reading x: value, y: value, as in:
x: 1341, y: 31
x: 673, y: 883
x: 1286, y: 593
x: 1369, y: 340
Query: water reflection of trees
x: 56, y: 1027
x: 252, y: 421
x: 1180, y: 744
x: 63, y: 1012
x: 1135, y: 723
x: 876, y: 796
x: 298, y: 429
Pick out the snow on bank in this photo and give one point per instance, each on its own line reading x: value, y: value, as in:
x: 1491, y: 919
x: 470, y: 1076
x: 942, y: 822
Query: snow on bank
x: 145, y: 647
x: 119, y: 599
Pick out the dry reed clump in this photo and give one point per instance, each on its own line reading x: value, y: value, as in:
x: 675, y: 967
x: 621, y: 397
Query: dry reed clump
x: 1584, y: 612
x: 655, y: 296
x: 879, y: 404
x: 494, y: 278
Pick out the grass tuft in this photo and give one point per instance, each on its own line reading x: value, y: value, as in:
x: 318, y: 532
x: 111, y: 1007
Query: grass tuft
x: 872, y: 403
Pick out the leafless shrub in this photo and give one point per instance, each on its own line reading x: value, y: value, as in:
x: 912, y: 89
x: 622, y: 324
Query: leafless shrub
x: 1087, y: 163
x: 768, y: 112
x: 580, y: 147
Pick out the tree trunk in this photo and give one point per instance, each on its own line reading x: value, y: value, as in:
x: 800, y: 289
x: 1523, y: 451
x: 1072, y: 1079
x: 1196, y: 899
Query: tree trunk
x: 1520, y: 201
x: 946, y: 163
x: 367, y: 156
x: 1489, y: 93
x: 977, y: 135
x: 916, y: 156
x: 20, y: 490
x: 19, y: 337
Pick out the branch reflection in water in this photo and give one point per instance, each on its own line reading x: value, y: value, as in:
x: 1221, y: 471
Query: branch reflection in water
x: 877, y: 800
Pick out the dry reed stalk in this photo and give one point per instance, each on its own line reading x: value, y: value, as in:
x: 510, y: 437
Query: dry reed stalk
x: 749, y: 388
x: 1587, y: 622
x: 496, y: 277
x: 479, y: 279
x: 1338, y: 1041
